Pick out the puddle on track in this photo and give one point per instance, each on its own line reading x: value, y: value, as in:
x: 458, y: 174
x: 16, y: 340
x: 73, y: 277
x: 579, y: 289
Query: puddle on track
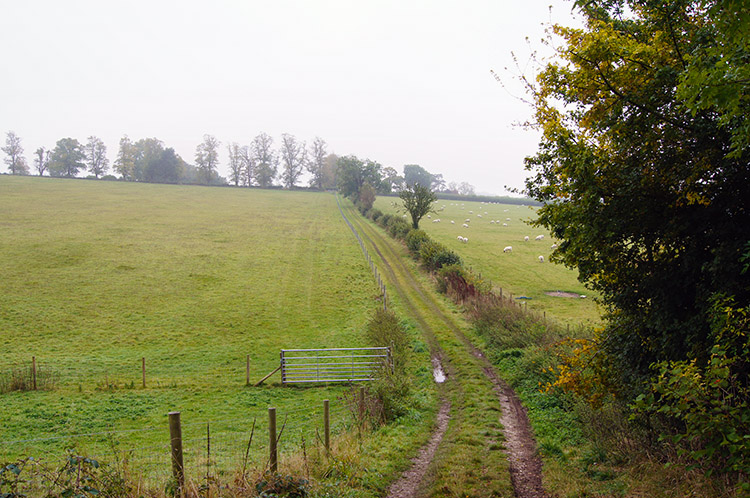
x: 437, y: 371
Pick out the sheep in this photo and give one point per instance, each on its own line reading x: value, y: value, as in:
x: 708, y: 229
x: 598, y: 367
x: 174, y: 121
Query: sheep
x: 467, y: 220
x: 553, y: 247
x: 526, y: 239
x: 541, y: 259
x: 459, y: 238
x: 505, y: 224
x: 429, y: 216
x: 505, y: 210
x: 453, y: 222
x: 466, y: 239
x: 471, y: 212
x: 507, y: 219
x: 508, y: 249
x: 479, y: 216
x: 539, y: 237
x: 466, y: 225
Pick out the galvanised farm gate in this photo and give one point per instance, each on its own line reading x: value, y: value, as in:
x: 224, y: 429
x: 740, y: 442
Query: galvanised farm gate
x: 334, y: 365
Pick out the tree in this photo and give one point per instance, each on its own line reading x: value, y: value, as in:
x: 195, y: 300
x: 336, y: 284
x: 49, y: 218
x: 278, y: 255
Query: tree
x: 465, y: 188
x: 366, y: 197
x: 294, y: 157
x: 15, y: 160
x: 207, y: 157
x: 438, y: 183
x: 266, y: 163
x: 41, y: 161
x: 165, y: 167
x: 330, y: 172
x: 146, y: 151
x: 418, y: 201
x: 96, y: 156
x: 413, y: 173
x: 125, y: 162
x: 353, y: 173
x: 642, y: 177
x: 248, y: 165
x: 66, y: 158
x: 236, y: 163
x: 392, y: 181
x: 316, y: 164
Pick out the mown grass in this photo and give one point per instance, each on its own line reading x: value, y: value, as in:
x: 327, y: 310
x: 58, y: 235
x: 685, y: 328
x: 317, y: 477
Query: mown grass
x: 97, y: 275
x: 518, y: 272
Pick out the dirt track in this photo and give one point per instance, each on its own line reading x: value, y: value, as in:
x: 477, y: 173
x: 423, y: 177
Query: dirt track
x: 520, y: 446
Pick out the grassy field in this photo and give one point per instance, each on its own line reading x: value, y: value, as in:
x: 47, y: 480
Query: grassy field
x: 518, y: 272
x: 97, y: 275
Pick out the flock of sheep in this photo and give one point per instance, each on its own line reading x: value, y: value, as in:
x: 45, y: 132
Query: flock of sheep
x: 507, y: 249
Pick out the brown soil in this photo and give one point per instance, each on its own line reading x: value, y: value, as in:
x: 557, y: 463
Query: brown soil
x: 562, y: 294
x: 408, y: 484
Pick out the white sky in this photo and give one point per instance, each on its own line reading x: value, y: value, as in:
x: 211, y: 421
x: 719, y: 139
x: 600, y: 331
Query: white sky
x: 399, y: 82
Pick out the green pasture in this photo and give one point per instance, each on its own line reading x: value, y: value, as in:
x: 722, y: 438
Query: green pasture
x: 519, y: 272
x: 95, y: 276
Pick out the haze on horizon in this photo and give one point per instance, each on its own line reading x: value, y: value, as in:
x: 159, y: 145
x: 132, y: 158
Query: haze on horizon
x: 395, y: 82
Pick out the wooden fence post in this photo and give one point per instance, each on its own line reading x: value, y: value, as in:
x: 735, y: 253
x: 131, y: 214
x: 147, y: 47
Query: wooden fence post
x: 361, y: 403
x: 326, y: 426
x: 33, y: 372
x: 175, y: 438
x: 143, y: 371
x: 273, y: 457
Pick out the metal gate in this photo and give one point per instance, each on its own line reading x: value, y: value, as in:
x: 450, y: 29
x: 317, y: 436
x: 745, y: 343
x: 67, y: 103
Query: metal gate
x: 334, y: 365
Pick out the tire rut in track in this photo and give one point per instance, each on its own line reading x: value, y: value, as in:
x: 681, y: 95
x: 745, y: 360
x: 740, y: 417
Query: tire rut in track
x: 525, y: 464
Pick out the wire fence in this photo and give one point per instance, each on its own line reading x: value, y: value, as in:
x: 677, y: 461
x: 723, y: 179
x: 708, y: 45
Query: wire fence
x: 211, y: 449
x: 370, y: 261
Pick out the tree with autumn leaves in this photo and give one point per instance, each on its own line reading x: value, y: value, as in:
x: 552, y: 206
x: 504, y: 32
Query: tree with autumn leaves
x: 644, y: 172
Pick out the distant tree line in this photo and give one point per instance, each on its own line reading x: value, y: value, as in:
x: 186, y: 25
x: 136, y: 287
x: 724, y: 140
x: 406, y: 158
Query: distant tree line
x: 256, y: 164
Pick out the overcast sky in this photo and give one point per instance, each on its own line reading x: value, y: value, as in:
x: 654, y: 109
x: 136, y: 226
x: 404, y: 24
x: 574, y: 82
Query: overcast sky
x: 399, y: 82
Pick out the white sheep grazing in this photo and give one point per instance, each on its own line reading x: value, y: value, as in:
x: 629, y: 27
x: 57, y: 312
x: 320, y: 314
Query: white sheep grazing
x: 466, y: 239
x: 466, y: 225
x: 507, y: 219
x: 526, y: 239
x: 508, y: 249
x: 492, y: 221
x: 541, y: 259
x: 539, y: 237
x: 553, y: 247
x: 471, y: 212
x: 467, y: 220
x: 505, y: 210
x: 479, y: 216
x: 505, y: 224
x: 459, y: 238
x: 429, y: 216
x: 453, y: 222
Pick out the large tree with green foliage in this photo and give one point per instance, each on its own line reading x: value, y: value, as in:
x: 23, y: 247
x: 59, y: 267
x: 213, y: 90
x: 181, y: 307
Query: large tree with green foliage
x: 643, y: 169
x: 67, y: 158
x: 96, y: 156
x: 418, y: 201
x: 414, y: 173
x: 353, y: 173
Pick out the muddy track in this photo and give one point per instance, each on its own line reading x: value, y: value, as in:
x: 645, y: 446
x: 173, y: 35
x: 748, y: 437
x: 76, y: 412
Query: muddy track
x: 520, y: 446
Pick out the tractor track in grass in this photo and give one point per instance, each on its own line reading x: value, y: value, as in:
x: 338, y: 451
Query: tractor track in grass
x: 520, y: 445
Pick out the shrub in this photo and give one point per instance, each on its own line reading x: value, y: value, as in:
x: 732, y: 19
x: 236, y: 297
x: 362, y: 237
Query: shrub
x: 435, y: 255
x: 384, y: 220
x: 272, y: 484
x: 398, y: 227
x: 389, y: 393
x: 375, y: 214
x: 414, y: 240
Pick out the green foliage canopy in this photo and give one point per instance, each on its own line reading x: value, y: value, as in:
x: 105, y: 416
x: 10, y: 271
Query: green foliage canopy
x: 418, y: 201
x: 67, y: 158
x: 643, y: 174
